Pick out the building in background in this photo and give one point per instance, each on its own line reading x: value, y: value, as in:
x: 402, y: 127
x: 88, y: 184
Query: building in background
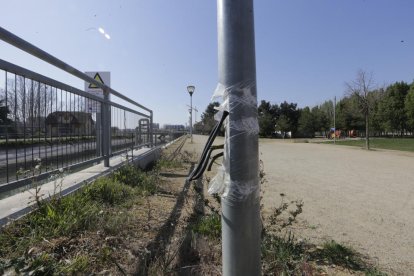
x: 69, y: 123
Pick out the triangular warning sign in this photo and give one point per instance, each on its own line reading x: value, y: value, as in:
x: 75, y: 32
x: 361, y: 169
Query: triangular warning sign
x: 97, y: 78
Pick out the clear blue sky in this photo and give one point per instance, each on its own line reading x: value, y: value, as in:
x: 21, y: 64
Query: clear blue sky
x: 305, y: 49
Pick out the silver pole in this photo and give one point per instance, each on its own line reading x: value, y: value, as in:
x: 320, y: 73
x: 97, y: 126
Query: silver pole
x: 98, y: 134
x: 151, y: 131
x: 334, y: 119
x: 106, y: 128
x: 191, y: 117
x: 241, y: 225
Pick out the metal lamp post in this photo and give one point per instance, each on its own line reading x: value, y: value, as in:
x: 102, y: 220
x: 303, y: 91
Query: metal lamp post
x: 240, y: 220
x: 334, y: 108
x: 190, y: 90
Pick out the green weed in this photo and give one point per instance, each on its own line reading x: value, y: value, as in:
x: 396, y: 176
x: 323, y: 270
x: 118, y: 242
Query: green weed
x: 77, y: 265
x: 108, y: 191
x: 209, y: 225
x: 281, y: 255
x: 168, y: 164
x: 342, y: 255
x: 373, y: 271
x: 65, y: 216
x: 144, y: 182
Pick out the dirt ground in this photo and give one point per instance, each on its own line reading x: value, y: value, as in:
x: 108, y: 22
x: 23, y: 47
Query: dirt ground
x: 358, y: 197
x: 364, y: 199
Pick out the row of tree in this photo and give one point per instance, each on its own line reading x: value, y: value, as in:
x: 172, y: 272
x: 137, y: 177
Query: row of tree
x: 364, y: 108
x: 381, y: 111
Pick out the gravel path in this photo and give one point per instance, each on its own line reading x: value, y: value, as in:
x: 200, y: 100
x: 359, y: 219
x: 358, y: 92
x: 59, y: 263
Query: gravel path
x: 364, y: 199
x: 361, y: 198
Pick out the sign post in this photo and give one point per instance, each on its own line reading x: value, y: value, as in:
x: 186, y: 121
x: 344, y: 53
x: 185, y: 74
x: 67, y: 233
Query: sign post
x: 95, y: 108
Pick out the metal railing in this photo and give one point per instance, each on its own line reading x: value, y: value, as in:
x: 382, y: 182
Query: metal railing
x: 47, y: 126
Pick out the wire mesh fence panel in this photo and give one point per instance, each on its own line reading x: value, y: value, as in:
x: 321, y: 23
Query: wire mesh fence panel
x: 43, y: 128
x: 47, y: 126
x: 125, y: 133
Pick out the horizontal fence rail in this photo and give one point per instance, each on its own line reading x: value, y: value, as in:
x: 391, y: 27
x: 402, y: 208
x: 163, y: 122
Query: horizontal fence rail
x: 47, y: 127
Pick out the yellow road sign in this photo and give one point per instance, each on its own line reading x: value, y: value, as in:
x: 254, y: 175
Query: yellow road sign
x: 98, y: 78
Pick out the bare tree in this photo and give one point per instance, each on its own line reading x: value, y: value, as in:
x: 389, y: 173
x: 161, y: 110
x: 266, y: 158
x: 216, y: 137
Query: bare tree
x: 360, y: 88
x: 27, y: 98
x: 29, y: 102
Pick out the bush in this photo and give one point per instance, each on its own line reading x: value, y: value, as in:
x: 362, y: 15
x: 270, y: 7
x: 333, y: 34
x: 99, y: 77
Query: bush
x: 134, y: 177
x: 108, y: 191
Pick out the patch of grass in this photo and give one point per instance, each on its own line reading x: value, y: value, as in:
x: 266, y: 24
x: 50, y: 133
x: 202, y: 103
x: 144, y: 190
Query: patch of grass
x: 209, y: 225
x: 44, y: 264
x: 341, y: 255
x: 77, y: 265
x: 144, y: 182
x: 108, y: 191
x: 373, y: 271
x: 168, y: 164
x: 31, y: 244
x: 114, y: 223
x: 66, y: 216
x: 282, y: 255
x: 402, y: 144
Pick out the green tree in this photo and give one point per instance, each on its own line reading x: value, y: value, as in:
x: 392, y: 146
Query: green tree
x: 409, y: 108
x: 288, y: 119
x: 267, y: 116
x: 322, y: 118
x: 283, y: 125
x: 348, y: 116
x: 392, y: 107
x: 327, y: 108
x: 307, y: 123
x: 207, y: 122
x: 376, y: 122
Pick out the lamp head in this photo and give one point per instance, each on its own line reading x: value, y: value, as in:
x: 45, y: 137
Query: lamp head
x: 190, y: 89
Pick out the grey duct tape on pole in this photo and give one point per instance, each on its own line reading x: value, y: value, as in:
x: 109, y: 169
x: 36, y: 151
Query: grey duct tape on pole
x: 246, y: 125
x: 237, y: 181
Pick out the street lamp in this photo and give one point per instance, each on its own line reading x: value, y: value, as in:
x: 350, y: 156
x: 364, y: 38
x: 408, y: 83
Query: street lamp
x: 190, y: 90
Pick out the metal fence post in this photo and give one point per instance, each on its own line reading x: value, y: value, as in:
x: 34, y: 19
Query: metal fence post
x: 99, y: 134
x: 151, y: 130
x: 106, y: 128
x: 241, y: 224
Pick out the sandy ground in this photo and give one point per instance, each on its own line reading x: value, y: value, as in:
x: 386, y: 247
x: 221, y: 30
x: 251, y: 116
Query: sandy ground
x: 361, y: 198
x: 364, y: 199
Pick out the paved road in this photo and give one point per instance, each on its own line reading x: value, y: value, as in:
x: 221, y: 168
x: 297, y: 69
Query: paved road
x: 362, y: 198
